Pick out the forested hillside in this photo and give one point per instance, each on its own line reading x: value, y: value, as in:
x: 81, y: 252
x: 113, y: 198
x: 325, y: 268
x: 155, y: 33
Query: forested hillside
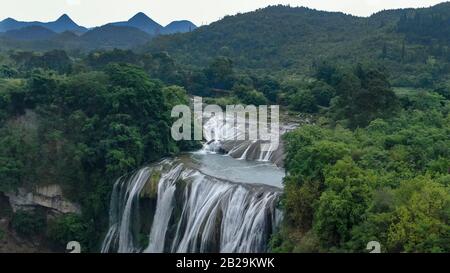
x: 289, y: 41
x: 80, y: 129
x: 371, y: 160
x: 375, y: 167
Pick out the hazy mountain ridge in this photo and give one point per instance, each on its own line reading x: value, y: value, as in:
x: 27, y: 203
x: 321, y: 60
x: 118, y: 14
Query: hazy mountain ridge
x: 30, y: 33
x: 64, y: 23
x: 142, y: 22
x: 179, y: 27
x: 277, y: 38
x: 110, y: 36
x: 56, y: 35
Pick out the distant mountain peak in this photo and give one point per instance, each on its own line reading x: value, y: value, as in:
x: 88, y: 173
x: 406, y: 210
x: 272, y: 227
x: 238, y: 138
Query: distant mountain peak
x: 65, y: 19
x: 140, y: 21
x: 182, y: 22
x: 143, y: 22
x: 179, y: 27
x: 9, y: 19
x: 140, y: 14
x: 141, y: 18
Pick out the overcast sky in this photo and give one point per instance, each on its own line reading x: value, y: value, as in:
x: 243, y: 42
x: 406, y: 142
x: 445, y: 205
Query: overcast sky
x: 98, y: 12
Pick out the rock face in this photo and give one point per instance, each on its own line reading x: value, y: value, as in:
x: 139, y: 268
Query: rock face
x: 50, y: 197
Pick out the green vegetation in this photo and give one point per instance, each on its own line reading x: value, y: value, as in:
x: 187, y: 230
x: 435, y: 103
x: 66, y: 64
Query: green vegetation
x: 381, y: 175
x: 150, y: 190
x: 81, y: 128
x: 29, y: 223
x: 373, y: 165
x: 68, y: 228
x: 411, y: 45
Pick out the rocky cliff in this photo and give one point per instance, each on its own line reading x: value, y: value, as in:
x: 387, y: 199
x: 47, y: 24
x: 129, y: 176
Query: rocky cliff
x: 50, y: 197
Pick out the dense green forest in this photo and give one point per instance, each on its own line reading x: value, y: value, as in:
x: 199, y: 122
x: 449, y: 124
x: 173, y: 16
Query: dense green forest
x: 411, y: 44
x: 81, y: 128
x: 373, y: 165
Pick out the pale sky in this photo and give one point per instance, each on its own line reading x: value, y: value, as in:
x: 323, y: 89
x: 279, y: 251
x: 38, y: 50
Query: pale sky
x: 91, y: 13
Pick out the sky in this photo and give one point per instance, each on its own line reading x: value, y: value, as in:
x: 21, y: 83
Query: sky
x: 92, y: 13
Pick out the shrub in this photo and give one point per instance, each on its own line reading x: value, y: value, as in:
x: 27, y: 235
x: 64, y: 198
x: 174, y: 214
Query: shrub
x: 67, y: 228
x: 28, y: 223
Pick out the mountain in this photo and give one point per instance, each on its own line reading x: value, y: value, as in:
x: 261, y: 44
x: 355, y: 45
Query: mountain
x: 427, y: 25
x: 279, y: 38
x: 37, y: 38
x: 63, y: 23
x: 276, y: 37
x: 66, y: 36
x: 142, y: 22
x: 146, y: 24
x: 11, y: 24
x: 179, y: 27
x: 294, y: 40
x: 110, y: 36
x: 30, y: 33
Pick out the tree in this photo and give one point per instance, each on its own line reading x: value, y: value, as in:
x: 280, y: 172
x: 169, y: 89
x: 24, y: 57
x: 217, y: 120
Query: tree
x: 323, y: 93
x: 175, y: 95
x: 363, y: 95
x: 7, y: 72
x: 420, y: 222
x: 343, y: 205
x: 100, y: 59
x: 387, y: 182
x: 162, y: 66
x: 220, y: 73
x: 249, y: 96
x: 66, y: 228
x: 28, y: 223
x: 57, y: 60
x: 303, y: 101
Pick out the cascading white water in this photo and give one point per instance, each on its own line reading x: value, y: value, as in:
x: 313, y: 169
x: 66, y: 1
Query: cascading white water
x: 124, y: 196
x: 194, y: 213
x: 222, y: 137
x: 201, y: 203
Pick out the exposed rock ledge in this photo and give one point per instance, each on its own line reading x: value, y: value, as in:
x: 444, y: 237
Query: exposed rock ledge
x: 50, y: 197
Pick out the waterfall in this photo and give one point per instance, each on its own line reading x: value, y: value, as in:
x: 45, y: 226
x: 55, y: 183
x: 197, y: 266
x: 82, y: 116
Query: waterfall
x: 222, y: 137
x: 189, y: 211
x: 206, y: 202
x: 124, y: 196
